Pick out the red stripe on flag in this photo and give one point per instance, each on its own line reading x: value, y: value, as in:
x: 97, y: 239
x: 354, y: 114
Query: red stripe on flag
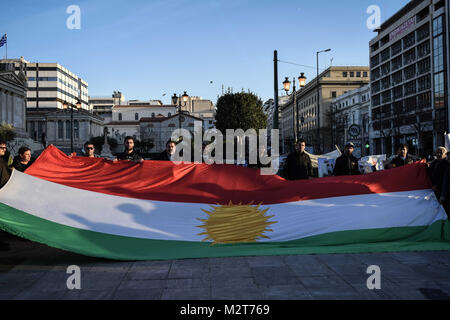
x: 202, y: 183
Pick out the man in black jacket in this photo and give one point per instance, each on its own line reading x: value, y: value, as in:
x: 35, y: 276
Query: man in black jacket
x: 5, y: 162
x: 436, y: 170
x: 168, y: 154
x: 298, y: 163
x: 347, y: 163
x: 402, y: 157
x: 129, y: 153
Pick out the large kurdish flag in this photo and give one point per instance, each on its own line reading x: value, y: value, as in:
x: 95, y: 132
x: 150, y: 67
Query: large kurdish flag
x: 159, y: 210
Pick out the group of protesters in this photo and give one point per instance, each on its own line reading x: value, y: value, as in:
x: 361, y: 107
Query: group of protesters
x: 298, y: 166
x: 130, y: 153
x: 24, y: 159
x: 20, y: 162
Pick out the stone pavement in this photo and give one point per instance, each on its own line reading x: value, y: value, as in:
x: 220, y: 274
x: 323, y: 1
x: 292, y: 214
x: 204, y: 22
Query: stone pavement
x: 32, y: 271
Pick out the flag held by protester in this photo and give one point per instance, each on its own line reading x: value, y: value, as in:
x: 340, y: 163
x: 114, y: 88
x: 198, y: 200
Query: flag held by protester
x: 160, y: 210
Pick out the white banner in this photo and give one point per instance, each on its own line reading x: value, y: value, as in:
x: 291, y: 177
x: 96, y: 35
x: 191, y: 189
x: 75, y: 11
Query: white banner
x: 447, y: 141
x: 326, y: 167
x: 330, y: 155
x: 372, y: 163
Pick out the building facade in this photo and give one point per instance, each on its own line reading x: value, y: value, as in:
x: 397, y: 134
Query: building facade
x: 197, y: 107
x: 56, y: 124
x: 409, y: 79
x: 50, y: 84
x: 350, y: 120
x: 158, y: 131
x: 13, y: 90
x: 313, y: 118
x: 102, y: 106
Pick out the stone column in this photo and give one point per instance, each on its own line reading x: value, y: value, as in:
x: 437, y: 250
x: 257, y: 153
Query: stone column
x: 2, y: 103
x: 9, y: 108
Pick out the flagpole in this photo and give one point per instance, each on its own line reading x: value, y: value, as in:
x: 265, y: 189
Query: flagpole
x: 6, y: 46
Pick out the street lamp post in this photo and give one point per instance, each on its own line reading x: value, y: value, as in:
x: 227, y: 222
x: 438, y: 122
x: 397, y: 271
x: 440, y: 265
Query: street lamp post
x: 77, y: 106
x: 184, y: 98
x: 287, y: 84
x: 318, y: 98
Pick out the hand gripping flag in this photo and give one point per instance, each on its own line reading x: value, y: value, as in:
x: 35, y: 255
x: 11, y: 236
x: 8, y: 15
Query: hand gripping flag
x: 160, y: 210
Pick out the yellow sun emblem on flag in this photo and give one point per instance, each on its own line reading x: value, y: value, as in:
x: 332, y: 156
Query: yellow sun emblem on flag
x: 235, y: 223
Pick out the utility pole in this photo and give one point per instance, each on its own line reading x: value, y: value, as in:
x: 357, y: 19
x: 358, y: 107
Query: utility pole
x: 275, y: 86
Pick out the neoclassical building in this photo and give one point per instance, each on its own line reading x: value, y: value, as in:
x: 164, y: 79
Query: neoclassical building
x: 13, y: 90
x: 159, y: 130
x: 56, y: 124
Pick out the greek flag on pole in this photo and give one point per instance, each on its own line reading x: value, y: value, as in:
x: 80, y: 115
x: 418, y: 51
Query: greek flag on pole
x: 3, y: 40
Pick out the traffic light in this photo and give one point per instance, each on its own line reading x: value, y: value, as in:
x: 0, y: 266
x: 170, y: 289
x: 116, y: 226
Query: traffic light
x: 367, y: 146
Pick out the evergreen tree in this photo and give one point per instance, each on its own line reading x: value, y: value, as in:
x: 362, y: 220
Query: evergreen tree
x: 240, y: 111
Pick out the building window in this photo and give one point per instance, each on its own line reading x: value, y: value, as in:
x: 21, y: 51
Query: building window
x: 385, y: 55
x: 374, y: 61
x: 409, y: 40
x: 424, y: 83
x: 410, y: 72
x: 68, y: 129
x: 365, y: 74
x: 439, y: 90
x: 396, y: 48
x: 437, y: 26
x: 423, y: 32
x: 333, y: 94
x: 136, y: 116
x: 60, y: 130
x: 409, y: 56
x: 438, y: 53
x: 352, y: 74
x: 410, y: 87
x: 76, y: 131
x: 153, y: 114
x: 396, y: 63
x: 120, y: 117
x: 169, y: 114
x: 423, y: 49
x: 345, y: 74
x: 423, y: 66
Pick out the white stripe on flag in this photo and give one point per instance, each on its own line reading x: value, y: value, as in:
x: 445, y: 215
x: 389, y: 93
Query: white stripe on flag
x: 179, y: 221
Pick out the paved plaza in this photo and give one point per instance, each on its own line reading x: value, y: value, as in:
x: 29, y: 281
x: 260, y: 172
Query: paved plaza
x: 29, y: 270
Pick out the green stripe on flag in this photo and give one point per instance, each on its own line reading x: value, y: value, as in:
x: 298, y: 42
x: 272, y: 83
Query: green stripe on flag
x: 90, y: 243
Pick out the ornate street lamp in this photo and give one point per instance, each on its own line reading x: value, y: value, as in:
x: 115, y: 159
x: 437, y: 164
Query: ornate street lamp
x: 302, y: 80
x: 287, y: 86
x: 176, y: 100
x: 185, y: 98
